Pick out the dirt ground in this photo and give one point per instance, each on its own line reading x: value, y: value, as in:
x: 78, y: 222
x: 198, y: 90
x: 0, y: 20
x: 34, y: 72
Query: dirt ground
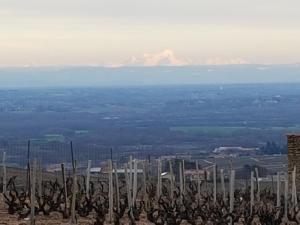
x: 53, y: 219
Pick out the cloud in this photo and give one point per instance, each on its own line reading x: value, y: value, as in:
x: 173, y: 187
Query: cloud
x: 163, y: 58
x: 226, y: 61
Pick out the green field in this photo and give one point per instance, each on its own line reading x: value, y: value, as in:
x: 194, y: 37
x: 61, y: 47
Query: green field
x: 55, y: 137
x: 81, y: 132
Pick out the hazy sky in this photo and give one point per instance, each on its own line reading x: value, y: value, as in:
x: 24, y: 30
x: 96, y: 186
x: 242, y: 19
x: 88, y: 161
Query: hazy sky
x: 148, y: 32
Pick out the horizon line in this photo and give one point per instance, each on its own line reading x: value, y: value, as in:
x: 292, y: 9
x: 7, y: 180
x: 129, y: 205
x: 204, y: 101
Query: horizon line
x: 145, y: 66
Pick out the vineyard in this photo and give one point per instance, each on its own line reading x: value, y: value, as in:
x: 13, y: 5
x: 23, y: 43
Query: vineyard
x: 145, y: 192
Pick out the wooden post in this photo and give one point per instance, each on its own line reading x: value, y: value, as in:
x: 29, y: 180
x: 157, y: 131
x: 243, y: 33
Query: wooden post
x: 130, y: 175
x: 63, y: 173
x: 128, y: 187
x: 286, y: 191
x: 180, y: 178
x: 272, y: 184
x: 4, y: 172
x: 278, y: 189
x: 129, y: 194
x: 252, y: 192
x: 28, y: 169
x: 171, y: 181
x: 144, y: 179
x: 232, y: 182
x: 40, y: 179
x: 32, y: 196
x: 223, y: 185
x: 159, y: 189
x: 160, y: 178
x: 117, y: 188
x: 198, y: 182
x: 88, y: 177
x: 145, y: 197
x: 110, y: 192
x: 205, y: 180
x: 183, y: 176
x: 74, y: 192
x: 215, y: 183
x: 294, y: 188
x: 229, y: 182
x: 134, y: 180
x: 258, y: 185
x: 231, y: 194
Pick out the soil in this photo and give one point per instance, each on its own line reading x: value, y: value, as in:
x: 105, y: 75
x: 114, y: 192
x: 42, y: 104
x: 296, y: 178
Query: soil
x: 54, y: 219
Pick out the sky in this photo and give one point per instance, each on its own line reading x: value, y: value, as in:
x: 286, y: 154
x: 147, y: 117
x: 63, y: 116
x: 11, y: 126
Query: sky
x: 115, y: 33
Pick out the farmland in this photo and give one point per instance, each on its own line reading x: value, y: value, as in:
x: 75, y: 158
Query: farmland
x: 160, y: 119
